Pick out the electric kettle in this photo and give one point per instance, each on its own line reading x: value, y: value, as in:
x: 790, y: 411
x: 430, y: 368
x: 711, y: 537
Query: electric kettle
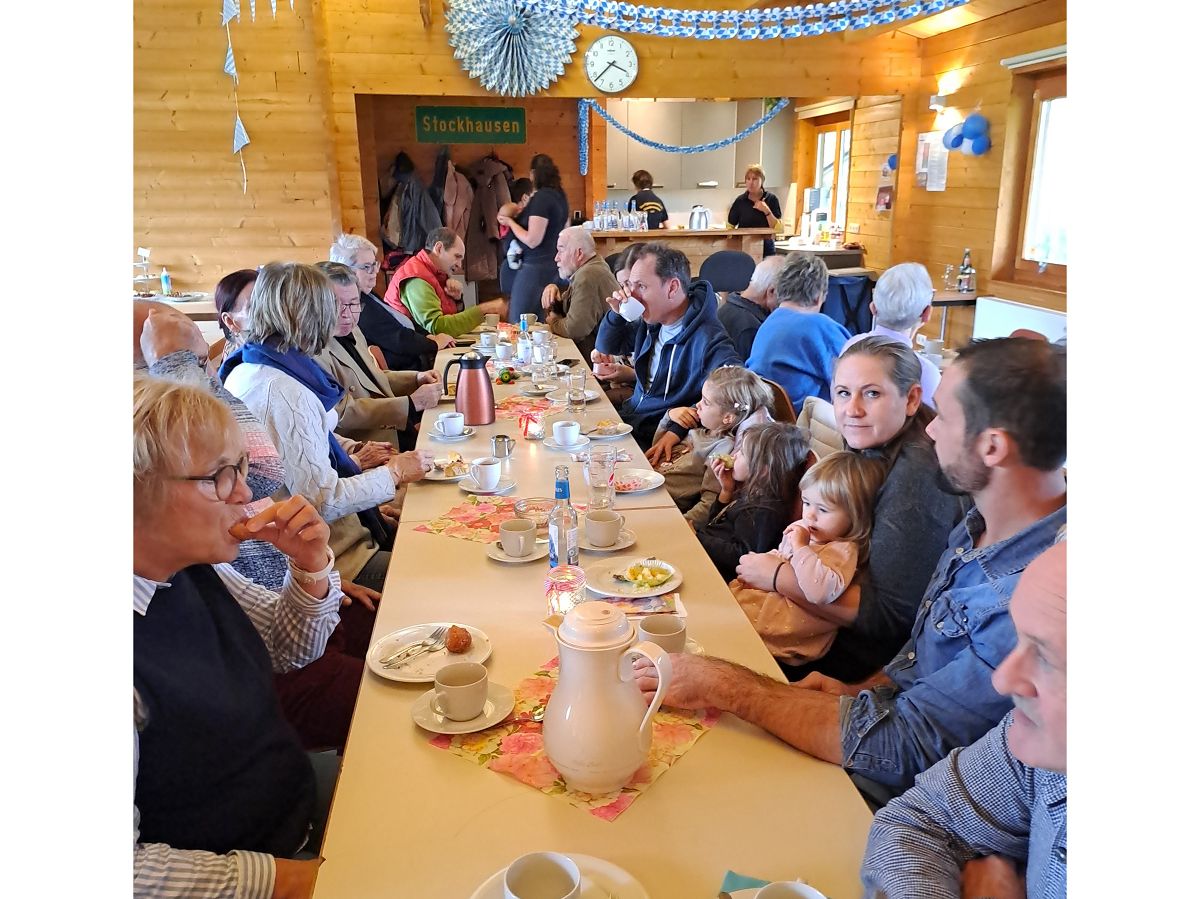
x: 699, y: 219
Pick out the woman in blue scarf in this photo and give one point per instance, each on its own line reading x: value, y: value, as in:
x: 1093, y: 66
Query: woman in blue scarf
x: 291, y: 318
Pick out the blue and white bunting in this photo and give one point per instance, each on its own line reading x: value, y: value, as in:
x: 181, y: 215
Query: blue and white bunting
x: 240, y: 137
x: 272, y: 9
x: 230, y: 65
x: 251, y: 10
x: 231, y: 9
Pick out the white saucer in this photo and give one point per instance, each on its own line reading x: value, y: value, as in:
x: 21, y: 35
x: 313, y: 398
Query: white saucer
x: 467, y: 432
x: 625, y: 539
x: 535, y: 391
x: 551, y: 443
x: 601, y: 880
x: 468, y: 484
x: 496, y: 707
x: 621, y: 431
x: 435, y: 475
x: 496, y: 551
x: 484, y: 350
x: 423, y: 667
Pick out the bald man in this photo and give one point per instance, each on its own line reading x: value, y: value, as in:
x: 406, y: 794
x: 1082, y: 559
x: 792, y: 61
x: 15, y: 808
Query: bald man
x: 576, y: 312
x: 991, y: 819
x: 743, y: 313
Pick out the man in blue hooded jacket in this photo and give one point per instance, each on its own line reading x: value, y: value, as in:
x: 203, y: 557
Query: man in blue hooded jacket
x: 673, y: 346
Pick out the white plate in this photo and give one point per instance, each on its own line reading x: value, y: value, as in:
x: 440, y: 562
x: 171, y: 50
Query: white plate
x: 551, y: 443
x: 625, y: 539
x: 182, y: 298
x: 601, y: 880
x: 652, y: 479
x: 621, y: 431
x: 422, y: 669
x: 496, y: 551
x: 535, y: 391
x: 560, y: 396
x: 434, y: 475
x: 484, y: 350
x: 468, y: 431
x: 496, y: 707
x: 599, y: 579
x: 468, y: 484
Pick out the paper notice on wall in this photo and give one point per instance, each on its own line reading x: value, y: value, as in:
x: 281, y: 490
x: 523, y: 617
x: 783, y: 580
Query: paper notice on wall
x: 932, y: 161
x: 885, y: 190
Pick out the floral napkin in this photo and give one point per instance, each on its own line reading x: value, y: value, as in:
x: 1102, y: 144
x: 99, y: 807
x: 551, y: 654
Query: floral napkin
x: 477, y: 518
x: 668, y: 603
x: 514, y: 747
x: 513, y: 407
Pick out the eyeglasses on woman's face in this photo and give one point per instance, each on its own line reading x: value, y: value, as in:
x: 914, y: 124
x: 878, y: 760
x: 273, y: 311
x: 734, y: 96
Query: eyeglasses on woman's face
x: 369, y: 267
x: 225, y: 479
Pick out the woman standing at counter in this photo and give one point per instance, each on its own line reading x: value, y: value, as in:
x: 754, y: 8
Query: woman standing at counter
x: 537, y: 227
x: 757, y: 207
x: 646, y: 200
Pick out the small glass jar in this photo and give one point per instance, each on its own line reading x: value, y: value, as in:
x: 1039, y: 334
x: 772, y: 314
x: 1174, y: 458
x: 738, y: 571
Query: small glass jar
x: 565, y: 589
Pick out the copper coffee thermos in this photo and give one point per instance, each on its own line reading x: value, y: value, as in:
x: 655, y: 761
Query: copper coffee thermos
x: 473, y: 395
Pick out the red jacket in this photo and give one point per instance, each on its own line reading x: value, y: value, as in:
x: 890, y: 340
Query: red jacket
x: 423, y: 267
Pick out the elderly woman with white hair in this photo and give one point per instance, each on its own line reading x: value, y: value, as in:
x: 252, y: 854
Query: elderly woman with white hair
x: 405, y: 345
x: 902, y: 303
x: 291, y: 319
x: 224, y: 794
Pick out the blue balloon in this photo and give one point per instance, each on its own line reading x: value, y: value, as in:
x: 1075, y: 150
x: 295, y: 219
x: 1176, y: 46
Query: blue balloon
x: 974, y: 126
x: 981, y: 145
x: 953, y: 138
x: 892, y: 162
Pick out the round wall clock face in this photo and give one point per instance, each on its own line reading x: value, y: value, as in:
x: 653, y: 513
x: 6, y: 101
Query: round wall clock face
x: 611, y: 63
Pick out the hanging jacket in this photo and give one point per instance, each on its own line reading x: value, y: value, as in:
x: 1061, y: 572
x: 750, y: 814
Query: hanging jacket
x: 437, y: 183
x: 411, y: 215
x: 458, y: 198
x: 490, y: 177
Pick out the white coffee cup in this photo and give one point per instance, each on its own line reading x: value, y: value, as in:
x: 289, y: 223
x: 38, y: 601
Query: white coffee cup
x: 566, y: 433
x: 934, y: 346
x: 504, y: 352
x: 602, y: 527
x: 460, y: 691
x: 540, y: 337
x: 790, y: 889
x: 487, y: 338
x: 485, y: 471
x: 668, y: 631
x: 518, y: 536
x: 450, y: 424
x: 529, y: 317
x: 492, y: 320
x: 542, y: 875
x: 631, y: 309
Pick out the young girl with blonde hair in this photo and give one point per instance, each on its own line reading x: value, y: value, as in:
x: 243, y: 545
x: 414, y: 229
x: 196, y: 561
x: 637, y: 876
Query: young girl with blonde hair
x: 732, y: 399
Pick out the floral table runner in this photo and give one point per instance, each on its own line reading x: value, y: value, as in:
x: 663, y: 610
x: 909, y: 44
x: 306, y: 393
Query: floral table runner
x: 514, y: 747
x: 477, y: 518
x: 513, y: 407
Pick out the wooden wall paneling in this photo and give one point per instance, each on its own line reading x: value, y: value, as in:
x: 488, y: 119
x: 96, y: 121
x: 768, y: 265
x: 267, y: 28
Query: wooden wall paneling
x: 875, y: 135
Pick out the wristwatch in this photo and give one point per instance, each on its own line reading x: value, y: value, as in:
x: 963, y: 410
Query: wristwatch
x: 308, y: 578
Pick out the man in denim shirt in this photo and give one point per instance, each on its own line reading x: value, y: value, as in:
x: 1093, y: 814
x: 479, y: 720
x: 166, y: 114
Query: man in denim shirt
x: 1000, y: 436
x: 991, y: 819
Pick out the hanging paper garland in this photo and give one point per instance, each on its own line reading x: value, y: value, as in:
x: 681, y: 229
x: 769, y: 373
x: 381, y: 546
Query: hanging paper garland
x: 512, y: 47
x: 585, y: 105
x: 744, y: 25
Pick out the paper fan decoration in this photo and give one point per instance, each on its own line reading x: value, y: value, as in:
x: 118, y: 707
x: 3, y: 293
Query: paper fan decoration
x: 511, y: 47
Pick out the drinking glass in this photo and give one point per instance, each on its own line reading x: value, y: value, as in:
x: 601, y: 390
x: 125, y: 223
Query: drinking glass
x: 601, y: 471
x: 597, y: 215
x: 573, y: 380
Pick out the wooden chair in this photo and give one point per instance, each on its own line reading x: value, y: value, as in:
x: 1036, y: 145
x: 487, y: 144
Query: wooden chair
x: 377, y: 355
x: 817, y: 417
x: 782, y: 409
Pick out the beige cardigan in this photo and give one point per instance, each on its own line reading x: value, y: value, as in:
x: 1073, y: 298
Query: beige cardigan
x: 368, y: 412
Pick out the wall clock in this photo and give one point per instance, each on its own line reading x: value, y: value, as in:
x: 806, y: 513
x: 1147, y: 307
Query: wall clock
x: 611, y: 63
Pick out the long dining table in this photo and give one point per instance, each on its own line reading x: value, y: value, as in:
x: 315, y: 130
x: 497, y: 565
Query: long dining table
x: 412, y: 820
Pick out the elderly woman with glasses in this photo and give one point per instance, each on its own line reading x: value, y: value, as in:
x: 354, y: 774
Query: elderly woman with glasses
x: 405, y: 345
x: 292, y: 318
x: 224, y: 794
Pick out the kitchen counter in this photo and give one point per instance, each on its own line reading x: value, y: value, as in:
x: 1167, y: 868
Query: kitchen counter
x: 697, y: 245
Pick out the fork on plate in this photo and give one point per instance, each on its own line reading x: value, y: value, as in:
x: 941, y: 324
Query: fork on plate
x: 435, y: 640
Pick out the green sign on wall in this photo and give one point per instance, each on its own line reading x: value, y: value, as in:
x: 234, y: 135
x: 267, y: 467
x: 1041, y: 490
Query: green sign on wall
x: 470, y: 125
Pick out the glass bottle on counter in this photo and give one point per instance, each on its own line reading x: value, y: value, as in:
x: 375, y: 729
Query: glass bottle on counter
x: 966, y: 273
x: 564, y: 522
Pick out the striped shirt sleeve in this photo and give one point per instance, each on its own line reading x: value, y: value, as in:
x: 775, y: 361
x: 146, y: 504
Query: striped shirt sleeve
x: 294, y: 625
x: 160, y: 872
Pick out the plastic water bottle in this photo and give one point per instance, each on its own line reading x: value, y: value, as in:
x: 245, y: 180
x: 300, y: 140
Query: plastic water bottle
x: 166, y: 282
x: 564, y: 522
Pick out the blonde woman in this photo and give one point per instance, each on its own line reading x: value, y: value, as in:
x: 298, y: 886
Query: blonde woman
x: 757, y: 207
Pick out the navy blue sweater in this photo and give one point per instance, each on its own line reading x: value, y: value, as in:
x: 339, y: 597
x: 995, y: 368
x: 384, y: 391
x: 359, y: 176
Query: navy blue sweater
x: 686, y: 360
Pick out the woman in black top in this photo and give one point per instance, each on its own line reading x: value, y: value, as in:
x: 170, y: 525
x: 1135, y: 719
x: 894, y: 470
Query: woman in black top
x: 537, y: 227
x: 757, y: 207
x: 645, y: 200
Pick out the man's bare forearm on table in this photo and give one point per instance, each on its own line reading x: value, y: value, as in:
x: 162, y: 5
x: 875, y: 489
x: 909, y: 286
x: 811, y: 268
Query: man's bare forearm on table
x: 806, y: 719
